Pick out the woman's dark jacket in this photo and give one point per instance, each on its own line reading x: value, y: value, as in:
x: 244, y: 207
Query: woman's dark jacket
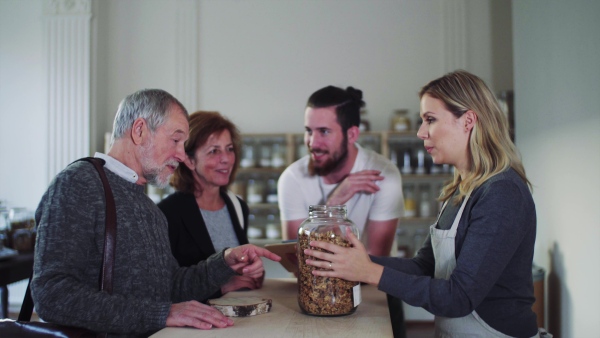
x: 189, y: 237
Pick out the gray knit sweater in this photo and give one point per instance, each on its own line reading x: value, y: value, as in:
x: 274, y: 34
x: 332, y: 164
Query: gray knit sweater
x: 147, y: 279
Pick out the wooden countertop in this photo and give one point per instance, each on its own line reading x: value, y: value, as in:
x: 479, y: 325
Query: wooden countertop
x: 285, y: 319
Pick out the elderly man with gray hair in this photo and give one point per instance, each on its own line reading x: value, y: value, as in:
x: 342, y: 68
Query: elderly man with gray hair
x: 150, y: 290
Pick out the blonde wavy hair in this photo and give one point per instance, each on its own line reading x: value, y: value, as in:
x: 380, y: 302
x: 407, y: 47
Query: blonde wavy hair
x: 490, y: 147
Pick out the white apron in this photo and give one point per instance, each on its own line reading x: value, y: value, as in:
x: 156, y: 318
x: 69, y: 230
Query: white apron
x: 443, y: 243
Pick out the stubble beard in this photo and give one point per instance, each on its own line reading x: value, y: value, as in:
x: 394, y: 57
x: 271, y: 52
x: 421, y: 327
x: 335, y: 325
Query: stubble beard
x: 337, y: 160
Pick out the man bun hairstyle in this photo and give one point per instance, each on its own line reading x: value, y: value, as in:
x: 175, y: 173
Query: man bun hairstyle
x: 347, y: 103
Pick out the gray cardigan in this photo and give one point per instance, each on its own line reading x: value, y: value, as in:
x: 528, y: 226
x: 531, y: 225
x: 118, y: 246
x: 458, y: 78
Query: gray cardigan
x: 147, y: 279
x: 494, y: 254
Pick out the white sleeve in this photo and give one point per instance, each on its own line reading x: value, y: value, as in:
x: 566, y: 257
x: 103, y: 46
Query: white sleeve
x: 389, y: 201
x: 293, y: 204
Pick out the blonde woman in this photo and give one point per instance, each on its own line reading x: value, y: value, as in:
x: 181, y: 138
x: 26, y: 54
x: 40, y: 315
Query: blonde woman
x: 474, y: 270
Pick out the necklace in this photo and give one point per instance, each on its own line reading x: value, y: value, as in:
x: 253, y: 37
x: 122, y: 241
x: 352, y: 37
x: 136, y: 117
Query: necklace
x: 325, y: 196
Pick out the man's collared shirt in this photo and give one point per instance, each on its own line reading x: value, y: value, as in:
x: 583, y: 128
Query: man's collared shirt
x: 118, y: 168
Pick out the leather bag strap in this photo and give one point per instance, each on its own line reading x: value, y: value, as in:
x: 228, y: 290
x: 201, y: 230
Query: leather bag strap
x: 27, y: 305
x: 110, y: 229
x: 110, y: 242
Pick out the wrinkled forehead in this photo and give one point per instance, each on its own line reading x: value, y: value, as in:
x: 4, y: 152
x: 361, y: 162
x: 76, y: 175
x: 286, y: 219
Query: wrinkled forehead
x: 176, y: 122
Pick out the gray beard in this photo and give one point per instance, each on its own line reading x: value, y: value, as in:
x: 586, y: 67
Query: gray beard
x: 151, y: 171
x: 153, y: 177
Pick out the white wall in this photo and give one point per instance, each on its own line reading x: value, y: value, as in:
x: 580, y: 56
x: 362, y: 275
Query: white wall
x: 557, y: 87
x: 259, y: 60
x: 23, y: 135
x: 135, y: 49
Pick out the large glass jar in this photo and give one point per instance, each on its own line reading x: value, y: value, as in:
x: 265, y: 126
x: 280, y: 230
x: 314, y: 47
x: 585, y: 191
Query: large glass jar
x: 325, y: 296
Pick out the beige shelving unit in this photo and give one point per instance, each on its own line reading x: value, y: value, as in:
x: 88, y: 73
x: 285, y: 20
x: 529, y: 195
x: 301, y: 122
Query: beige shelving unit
x: 263, y: 158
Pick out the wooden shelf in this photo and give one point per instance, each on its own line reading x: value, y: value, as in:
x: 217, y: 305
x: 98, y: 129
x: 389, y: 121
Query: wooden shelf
x: 415, y: 178
x: 261, y: 170
x: 263, y: 206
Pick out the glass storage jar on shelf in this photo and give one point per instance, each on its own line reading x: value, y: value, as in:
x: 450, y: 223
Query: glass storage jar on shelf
x: 325, y: 296
x: 420, y: 170
x: 364, y: 125
x: 265, y: 155
x: 254, y: 231
x: 406, y: 163
x: 247, y: 160
x: 301, y: 150
x: 400, y: 120
x: 21, y: 229
x: 277, y: 156
x: 410, y: 204
x: 424, y: 204
x: 254, y: 191
x: 271, y: 190
x: 272, y: 229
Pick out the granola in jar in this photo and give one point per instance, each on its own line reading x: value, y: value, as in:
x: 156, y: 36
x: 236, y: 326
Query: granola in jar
x: 324, y: 296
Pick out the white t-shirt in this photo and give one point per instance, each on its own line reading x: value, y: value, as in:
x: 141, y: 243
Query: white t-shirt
x: 297, y: 190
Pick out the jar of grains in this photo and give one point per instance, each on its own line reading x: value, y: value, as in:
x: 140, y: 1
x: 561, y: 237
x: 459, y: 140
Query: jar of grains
x: 325, y: 296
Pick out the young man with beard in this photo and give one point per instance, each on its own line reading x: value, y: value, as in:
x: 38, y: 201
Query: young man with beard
x: 338, y: 171
x: 150, y: 290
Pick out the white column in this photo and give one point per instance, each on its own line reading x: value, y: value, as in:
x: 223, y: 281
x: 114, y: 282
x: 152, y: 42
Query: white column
x: 68, y: 43
x: 455, y: 35
x: 187, y: 49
